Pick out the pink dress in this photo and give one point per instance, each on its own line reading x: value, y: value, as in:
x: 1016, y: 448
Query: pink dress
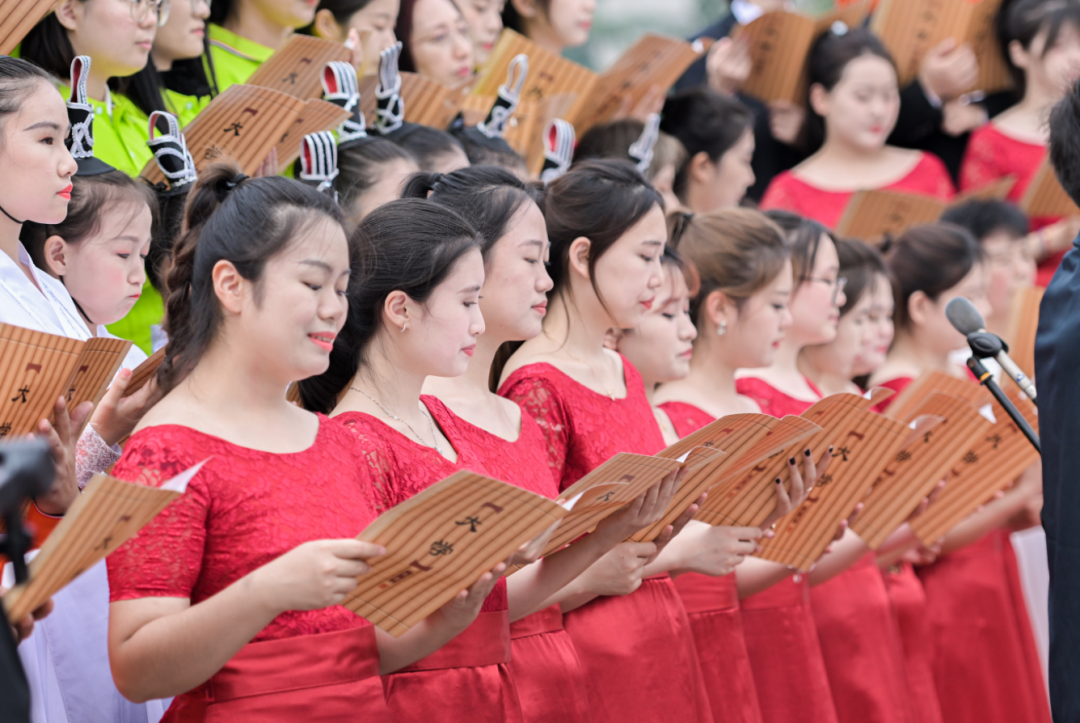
x: 712, y: 603
x: 637, y: 650
x: 469, y: 678
x: 243, y: 509
x: 788, y: 192
x: 543, y: 658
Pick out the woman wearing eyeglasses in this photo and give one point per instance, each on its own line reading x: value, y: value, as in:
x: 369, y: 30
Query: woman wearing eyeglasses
x: 435, y: 40
x: 117, y: 36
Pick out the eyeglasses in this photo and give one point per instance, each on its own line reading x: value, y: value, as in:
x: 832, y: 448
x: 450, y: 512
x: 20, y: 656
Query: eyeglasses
x: 140, y: 9
x: 837, y: 285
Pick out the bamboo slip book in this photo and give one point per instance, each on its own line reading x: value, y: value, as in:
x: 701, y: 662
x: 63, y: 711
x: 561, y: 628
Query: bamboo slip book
x: 296, y: 69
x: 1045, y: 198
x: 37, y: 368
x: 105, y: 516
x: 17, y: 17
x: 426, y: 102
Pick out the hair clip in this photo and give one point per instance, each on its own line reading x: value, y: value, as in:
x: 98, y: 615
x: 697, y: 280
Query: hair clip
x: 171, y: 151
x: 81, y: 116
x: 559, y: 140
x: 318, y: 161
x: 641, y: 150
x: 224, y: 187
x: 494, y: 126
x: 342, y: 88
x: 839, y: 28
x: 390, y: 112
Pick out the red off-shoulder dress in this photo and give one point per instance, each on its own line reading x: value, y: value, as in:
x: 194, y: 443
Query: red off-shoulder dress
x: 543, y: 659
x: 984, y: 661
x: 992, y: 155
x: 469, y: 678
x: 712, y: 603
x: 781, y: 636
x: 637, y: 650
x: 787, y: 192
x: 243, y: 509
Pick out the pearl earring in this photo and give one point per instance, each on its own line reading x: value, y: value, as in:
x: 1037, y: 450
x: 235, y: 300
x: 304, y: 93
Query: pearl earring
x: 722, y: 329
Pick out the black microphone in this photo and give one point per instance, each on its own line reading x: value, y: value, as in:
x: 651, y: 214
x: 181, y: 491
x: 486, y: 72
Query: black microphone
x: 963, y: 315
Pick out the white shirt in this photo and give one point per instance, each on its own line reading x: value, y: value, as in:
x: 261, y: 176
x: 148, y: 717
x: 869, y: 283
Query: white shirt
x: 46, y: 307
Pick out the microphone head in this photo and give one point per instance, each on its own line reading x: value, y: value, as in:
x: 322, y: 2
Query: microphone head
x: 963, y: 315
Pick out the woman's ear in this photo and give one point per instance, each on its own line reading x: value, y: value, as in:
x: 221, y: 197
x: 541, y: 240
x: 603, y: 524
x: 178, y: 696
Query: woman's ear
x: 719, y: 309
x: 701, y: 168
x: 1020, y: 58
x: 579, y: 256
x: 327, y: 27
x: 396, y: 311
x: 819, y: 99
x: 525, y: 8
x: 919, y: 307
x: 67, y: 14
x: 56, y: 259
x: 229, y: 286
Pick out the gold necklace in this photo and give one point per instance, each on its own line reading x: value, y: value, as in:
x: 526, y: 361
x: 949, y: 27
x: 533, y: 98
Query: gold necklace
x: 427, y: 416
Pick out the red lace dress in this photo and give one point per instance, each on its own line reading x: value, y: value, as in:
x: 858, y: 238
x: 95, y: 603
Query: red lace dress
x: 469, y: 678
x: 992, y: 155
x: 787, y: 192
x: 543, y: 659
x: 781, y: 636
x: 637, y: 650
x: 983, y: 656
x: 712, y: 604
x: 243, y: 509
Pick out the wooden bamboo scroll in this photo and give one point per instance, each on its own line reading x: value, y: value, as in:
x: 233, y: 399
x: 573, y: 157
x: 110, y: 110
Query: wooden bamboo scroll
x: 750, y: 440
x: 296, y: 69
x: 427, y: 102
x: 1045, y: 197
x: 318, y: 115
x: 440, y: 542
x: 911, y: 28
x: 991, y: 464
x: 875, y: 213
x: 36, y: 368
x: 779, y: 44
x: 549, y: 74
x: 242, y: 124
x: 919, y: 465
x: 103, y: 517
x: 1023, y: 323
x: 906, y: 402
x: 17, y: 17
x: 143, y: 373
x: 864, y: 443
x: 654, y: 61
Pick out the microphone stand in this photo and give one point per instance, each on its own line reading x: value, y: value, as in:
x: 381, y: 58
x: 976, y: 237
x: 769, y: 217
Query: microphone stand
x: 986, y: 346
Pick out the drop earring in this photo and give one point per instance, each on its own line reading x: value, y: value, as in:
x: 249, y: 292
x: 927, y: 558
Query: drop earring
x: 404, y: 327
x: 722, y: 329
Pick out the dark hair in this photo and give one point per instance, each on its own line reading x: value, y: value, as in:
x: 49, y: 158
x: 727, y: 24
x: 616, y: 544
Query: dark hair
x: 360, y: 166
x: 859, y: 264
x: 829, y: 56
x: 804, y: 240
x: 487, y: 197
x: 736, y: 251
x: 1064, y: 149
x: 48, y: 45
x: 407, y: 245
x: 1022, y: 21
x: 17, y: 79
x: 613, y: 140
x: 983, y: 218
x: 343, y: 10
x: 426, y: 144
x: 91, y: 197
x: 512, y: 18
x: 673, y: 259
x: 229, y: 217
x: 931, y: 259
x: 484, y: 151
x: 600, y: 200
x: 704, y: 121
x: 168, y: 225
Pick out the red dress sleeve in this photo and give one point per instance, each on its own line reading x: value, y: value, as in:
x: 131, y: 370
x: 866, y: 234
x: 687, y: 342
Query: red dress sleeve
x: 165, y: 558
x: 686, y: 418
x: 980, y: 165
x: 897, y: 385
x: 539, y: 398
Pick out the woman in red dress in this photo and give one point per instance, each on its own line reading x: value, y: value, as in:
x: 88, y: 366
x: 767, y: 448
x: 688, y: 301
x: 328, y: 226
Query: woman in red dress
x: 607, y: 232
x: 982, y: 652
x: 229, y: 599
x: 500, y: 441
x: 859, y: 635
x: 853, y: 106
x: 412, y: 313
x: 743, y: 319
x: 1042, y: 38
